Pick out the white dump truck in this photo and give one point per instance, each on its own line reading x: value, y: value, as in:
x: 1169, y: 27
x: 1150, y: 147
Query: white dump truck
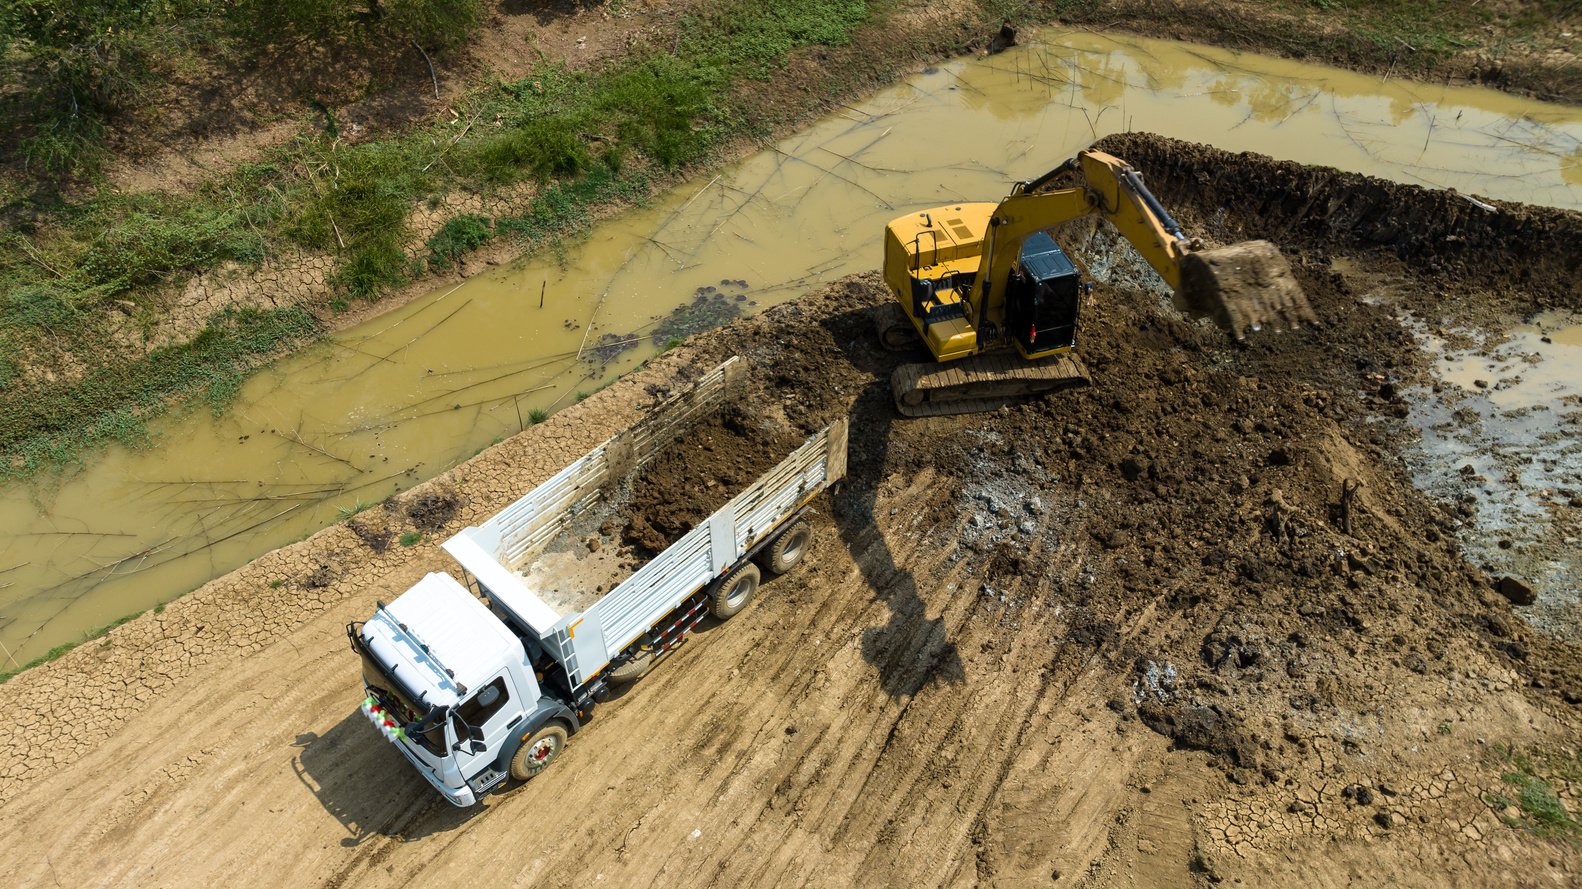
x: 486, y: 681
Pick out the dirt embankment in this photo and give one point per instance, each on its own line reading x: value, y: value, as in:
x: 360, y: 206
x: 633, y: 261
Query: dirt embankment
x: 1118, y: 636
x: 1521, y: 47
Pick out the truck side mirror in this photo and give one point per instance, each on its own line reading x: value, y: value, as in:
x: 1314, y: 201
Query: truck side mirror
x: 469, y: 736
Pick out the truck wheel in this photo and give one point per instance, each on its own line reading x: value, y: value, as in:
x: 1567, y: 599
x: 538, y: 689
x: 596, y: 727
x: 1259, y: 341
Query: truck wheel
x: 733, y: 593
x: 537, y: 752
x: 634, y: 669
x: 787, y: 549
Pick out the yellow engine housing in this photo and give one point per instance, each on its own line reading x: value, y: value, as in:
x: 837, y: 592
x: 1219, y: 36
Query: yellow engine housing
x: 932, y: 251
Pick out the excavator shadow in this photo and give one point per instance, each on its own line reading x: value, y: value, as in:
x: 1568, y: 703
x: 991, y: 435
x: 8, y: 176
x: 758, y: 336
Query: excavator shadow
x: 365, y: 783
x: 911, y: 650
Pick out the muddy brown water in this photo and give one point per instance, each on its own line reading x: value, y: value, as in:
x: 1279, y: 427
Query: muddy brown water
x: 1500, y: 440
x: 383, y: 406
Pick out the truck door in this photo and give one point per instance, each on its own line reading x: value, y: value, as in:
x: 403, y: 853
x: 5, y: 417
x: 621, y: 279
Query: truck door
x: 493, y: 709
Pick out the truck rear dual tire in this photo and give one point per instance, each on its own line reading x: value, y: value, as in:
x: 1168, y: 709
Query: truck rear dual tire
x: 787, y: 549
x: 538, y: 751
x: 735, y: 591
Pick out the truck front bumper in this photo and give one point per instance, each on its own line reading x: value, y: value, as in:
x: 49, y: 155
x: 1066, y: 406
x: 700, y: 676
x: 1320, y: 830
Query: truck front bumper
x: 462, y: 797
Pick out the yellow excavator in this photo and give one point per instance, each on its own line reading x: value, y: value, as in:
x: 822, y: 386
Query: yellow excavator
x: 995, y: 299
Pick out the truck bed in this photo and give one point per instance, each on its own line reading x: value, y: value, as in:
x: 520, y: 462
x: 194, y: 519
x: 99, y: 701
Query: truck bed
x: 526, y: 557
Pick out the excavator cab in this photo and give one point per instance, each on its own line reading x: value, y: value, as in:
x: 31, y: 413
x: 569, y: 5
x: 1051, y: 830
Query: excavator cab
x: 1042, y: 295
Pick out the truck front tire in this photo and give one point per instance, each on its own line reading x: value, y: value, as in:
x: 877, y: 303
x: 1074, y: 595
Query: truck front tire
x: 538, y: 751
x: 787, y: 549
x: 733, y: 593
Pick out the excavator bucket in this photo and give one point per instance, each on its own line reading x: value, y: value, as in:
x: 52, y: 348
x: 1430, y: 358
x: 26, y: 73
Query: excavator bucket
x: 1244, y: 287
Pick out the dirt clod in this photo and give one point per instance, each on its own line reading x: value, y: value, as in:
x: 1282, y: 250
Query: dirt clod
x: 432, y: 511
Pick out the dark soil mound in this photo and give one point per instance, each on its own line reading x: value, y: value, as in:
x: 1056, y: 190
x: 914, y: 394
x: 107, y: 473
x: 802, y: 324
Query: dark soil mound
x: 697, y: 475
x: 1195, y: 492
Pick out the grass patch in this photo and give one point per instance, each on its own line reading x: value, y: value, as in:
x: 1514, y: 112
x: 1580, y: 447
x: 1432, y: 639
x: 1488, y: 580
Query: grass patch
x: 457, y: 237
x: 347, y: 512
x: 1532, y: 777
x: 410, y: 538
x: 536, y: 416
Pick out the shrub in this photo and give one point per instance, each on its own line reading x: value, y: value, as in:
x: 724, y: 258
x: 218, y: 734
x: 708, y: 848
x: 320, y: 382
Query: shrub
x: 375, y: 266
x: 458, y: 236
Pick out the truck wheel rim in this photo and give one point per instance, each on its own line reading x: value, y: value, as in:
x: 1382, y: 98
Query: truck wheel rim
x: 739, y: 593
x: 793, y: 550
x: 543, y: 750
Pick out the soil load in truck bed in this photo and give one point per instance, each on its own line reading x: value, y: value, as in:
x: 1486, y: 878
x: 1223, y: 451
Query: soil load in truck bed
x: 648, y: 510
x: 679, y: 488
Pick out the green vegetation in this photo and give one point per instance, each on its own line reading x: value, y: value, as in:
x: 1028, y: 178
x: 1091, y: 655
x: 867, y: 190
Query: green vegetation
x: 347, y: 512
x: 459, y: 236
x: 88, y: 264
x: 81, y: 63
x: 536, y: 416
x: 410, y: 538
x: 44, y: 425
x: 57, y: 651
x: 1533, y: 776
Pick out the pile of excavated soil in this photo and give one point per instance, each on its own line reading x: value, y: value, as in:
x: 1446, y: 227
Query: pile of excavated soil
x: 1137, y: 633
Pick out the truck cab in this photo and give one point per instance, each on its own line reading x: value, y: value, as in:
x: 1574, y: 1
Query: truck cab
x: 450, y: 685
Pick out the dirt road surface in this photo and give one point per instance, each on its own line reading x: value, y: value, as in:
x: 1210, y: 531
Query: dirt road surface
x: 1115, y: 637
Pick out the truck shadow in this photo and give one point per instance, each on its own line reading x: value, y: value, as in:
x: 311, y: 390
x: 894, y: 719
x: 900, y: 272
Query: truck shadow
x: 619, y: 690
x: 369, y: 787
x: 911, y: 650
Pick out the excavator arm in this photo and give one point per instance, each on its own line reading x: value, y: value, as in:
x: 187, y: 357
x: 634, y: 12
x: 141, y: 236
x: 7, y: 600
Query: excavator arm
x: 1241, y: 288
